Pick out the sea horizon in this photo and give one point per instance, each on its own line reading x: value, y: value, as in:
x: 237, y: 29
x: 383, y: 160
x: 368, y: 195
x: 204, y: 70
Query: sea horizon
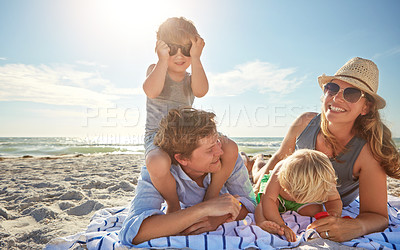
x: 11, y: 147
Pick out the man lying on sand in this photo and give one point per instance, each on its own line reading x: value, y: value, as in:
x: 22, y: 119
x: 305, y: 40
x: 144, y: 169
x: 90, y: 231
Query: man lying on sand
x: 190, y: 137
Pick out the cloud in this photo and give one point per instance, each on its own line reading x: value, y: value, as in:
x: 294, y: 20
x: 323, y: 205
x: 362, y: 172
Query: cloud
x: 57, y: 85
x: 91, y: 64
x: 51, y: 113
x: 258, y: 76
x: 391, y: 52
x: 3, y: 58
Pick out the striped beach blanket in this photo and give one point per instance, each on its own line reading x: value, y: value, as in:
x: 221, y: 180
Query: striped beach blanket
x: 102, y: 233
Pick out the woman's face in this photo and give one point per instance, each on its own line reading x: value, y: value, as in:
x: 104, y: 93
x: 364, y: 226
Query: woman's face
x: 338, y: 110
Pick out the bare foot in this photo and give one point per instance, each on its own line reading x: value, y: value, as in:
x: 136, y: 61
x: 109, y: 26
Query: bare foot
x: 247, y: 161
x: 271, y: 227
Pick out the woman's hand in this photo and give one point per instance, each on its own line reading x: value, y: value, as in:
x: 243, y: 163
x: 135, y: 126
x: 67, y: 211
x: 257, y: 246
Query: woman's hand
x: 197, y: 47
x: 336, y: 228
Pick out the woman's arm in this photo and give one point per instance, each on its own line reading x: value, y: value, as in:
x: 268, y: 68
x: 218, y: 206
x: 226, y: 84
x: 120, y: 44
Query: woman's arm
x: 373, y: 194
x: 287, y: 147
x: 373, y: 215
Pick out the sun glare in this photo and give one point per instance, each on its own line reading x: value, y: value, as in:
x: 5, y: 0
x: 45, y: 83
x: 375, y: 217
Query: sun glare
x: 124, y: 20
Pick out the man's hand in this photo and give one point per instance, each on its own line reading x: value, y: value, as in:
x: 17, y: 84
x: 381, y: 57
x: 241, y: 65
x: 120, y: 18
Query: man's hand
x: 224, y: 208
x: 206, y: 224
x: 225, y: 204
x: 197, y: 47
x: 162, y: 50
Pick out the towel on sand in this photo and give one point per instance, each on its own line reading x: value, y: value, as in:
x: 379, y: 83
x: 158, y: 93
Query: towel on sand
x: 102, y: 233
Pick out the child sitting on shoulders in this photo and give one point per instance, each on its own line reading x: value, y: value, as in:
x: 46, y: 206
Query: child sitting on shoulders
x: 302, y: 183
x: 169, y: 86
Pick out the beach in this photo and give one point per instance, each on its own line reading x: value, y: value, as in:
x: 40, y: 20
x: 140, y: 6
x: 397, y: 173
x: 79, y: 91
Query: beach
x: 42, y: 198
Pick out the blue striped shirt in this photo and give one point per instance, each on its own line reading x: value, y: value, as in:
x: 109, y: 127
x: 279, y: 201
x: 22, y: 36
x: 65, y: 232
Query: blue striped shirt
x: 148, y: 200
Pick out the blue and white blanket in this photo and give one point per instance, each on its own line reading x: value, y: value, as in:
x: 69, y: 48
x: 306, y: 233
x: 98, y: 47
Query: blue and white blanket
x: 102, y: 233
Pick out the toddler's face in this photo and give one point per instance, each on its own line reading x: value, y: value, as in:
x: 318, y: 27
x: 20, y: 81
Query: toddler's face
x: 185, y: 49
x: 179, y: 56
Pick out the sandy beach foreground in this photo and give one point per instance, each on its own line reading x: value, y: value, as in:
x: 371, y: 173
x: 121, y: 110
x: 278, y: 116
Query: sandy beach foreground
x: 45, y: 198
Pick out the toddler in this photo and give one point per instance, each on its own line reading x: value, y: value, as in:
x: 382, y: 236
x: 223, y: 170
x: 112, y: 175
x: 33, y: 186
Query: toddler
x: 169, y: 86
x: 301, y: 183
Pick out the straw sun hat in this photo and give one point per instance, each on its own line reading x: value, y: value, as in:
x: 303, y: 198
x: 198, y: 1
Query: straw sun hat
x: 362, y: 74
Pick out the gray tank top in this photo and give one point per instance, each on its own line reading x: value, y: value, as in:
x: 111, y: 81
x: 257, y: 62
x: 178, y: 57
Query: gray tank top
x: 173, y: 95
x: 347, y: 185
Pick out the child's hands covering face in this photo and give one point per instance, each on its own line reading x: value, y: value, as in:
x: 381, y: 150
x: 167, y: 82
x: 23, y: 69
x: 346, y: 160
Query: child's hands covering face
x: 162, y: 50
x: 197, y: 47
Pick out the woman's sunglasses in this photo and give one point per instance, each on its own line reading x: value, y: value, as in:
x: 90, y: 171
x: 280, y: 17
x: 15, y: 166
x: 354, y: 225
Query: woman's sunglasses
x: 173, y: 49
x: 351, y: 95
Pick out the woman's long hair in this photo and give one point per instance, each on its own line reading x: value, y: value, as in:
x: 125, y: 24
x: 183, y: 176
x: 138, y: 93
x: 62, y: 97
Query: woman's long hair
x: 378, y: 136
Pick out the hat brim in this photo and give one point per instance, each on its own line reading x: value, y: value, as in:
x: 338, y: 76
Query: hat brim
x: 324, y: 79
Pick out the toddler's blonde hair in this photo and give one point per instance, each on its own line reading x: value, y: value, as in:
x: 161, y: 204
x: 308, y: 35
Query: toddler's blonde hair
x: 177, y: 30
x: 308, y: 176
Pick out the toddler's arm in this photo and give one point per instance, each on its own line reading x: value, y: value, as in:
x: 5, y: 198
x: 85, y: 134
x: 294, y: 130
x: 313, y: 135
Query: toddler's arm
x: 199, y: 78
x: 228, y: 160
x: 334, y: 205
x: 269, y: 200
x: 274, y: 224
x: 154, y: 83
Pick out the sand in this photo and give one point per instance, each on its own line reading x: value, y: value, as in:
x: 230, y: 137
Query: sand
x: 41, y: 199
x: 45, y: 198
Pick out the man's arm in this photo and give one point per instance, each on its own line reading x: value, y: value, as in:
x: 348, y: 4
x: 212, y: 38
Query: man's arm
x: 174, y: 223
x: 145, y: 221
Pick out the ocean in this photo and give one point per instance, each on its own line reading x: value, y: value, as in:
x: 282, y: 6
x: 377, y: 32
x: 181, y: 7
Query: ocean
x: 56, y: 146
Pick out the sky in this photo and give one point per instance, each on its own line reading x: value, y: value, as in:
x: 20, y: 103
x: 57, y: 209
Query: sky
x: 76, y: 68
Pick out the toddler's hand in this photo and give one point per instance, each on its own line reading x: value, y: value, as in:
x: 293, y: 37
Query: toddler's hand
x: 197, y: 46
x: 162, y: 50
x: 289, y: 234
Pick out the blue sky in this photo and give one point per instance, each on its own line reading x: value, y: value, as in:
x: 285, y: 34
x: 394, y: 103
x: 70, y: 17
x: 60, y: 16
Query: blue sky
x: 76, y: 68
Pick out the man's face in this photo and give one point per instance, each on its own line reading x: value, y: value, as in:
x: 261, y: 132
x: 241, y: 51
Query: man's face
x: 205, y: 158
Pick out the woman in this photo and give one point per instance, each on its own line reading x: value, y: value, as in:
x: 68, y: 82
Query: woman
x: 350, y: 132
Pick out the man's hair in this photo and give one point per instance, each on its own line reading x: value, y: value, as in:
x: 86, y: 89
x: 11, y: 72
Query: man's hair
x: 180, y: 131
x: 177, y: 30
x: 308, y: 176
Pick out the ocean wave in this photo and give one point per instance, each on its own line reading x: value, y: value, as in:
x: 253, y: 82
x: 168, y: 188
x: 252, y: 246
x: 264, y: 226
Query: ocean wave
x: 55, y: 146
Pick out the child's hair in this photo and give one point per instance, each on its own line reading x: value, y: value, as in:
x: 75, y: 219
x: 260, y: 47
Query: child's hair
x: 177, y: 30
x: 180, y: 131
x: 308, y: 176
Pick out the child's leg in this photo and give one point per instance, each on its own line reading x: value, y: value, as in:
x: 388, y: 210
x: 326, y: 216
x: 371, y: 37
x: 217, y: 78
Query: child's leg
x: 247, y: 162
x: 310, y: 210
x: 258, y: 164
x: 158, y: 164
x: 228, y: 160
